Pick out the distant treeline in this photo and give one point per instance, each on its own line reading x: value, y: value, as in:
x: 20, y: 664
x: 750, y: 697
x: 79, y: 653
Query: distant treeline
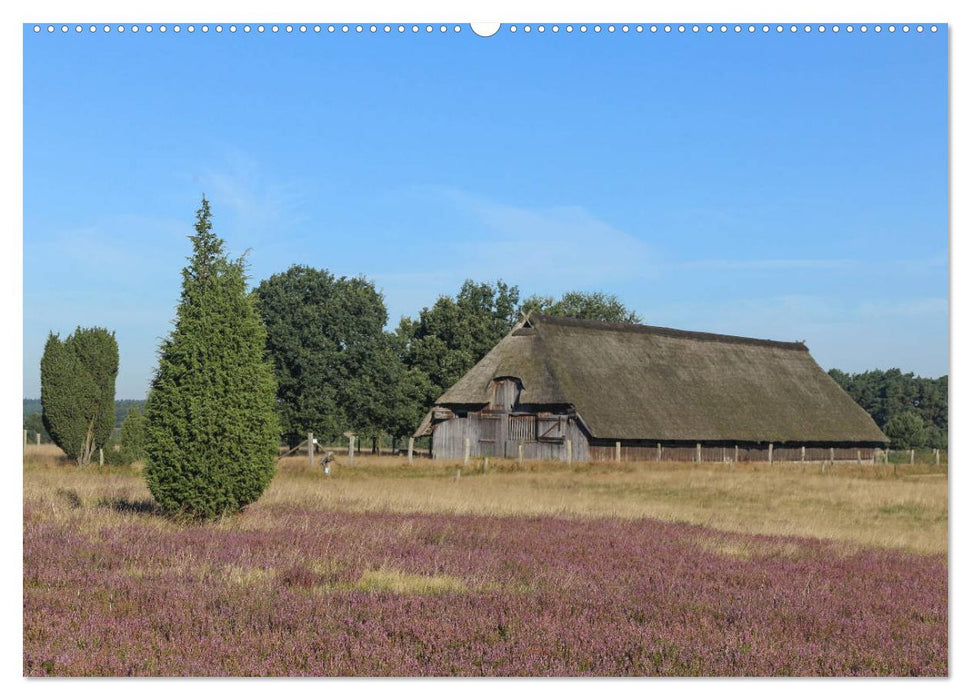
x: 911, y: 410
x: 121, y: 410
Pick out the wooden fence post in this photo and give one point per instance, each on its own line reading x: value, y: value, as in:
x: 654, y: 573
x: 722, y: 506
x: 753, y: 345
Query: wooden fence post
x: 937, y: 452
x: 802, y: 454
x: 25, y: 438
x: 101, y: 457
x: 468, y: 451
x: 659, y: 452
x: 520, y: 453
x: 736, y: 454
x: 350, y: 449
x: 858, y: 459
x: 911, y: 456
x: 411, y: 449
x: 617, y: 451
x: 569, y: 451
x: 485, y: 464
x: 770, y: 453
x: 832, y: 454
x: 698, y: 453
x: 310, y: 449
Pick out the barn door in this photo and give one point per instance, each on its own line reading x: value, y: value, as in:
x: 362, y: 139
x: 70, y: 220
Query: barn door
x: 520, y: 429
x: 489, y: 435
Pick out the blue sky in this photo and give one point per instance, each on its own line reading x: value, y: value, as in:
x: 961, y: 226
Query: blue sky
x: 787, y: 186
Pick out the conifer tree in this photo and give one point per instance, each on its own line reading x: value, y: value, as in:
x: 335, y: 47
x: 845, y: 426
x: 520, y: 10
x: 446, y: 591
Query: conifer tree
x: 211, y: 428
x: 133, y: 436
x: 77, y: 379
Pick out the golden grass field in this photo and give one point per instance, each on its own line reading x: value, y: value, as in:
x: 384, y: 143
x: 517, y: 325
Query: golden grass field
x: 852, y: 505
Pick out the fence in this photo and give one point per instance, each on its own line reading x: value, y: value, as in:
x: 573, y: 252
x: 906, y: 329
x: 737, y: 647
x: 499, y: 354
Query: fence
x: 731, y: 453
x: 924, y: 455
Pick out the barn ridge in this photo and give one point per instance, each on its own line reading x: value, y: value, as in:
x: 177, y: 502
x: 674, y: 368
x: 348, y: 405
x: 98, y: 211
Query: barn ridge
x: 656, y: 330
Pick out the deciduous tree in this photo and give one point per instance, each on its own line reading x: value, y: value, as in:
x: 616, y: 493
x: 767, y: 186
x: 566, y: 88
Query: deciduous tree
x: 594, y: 306
x: 451, y: 336
x: 336, y: 367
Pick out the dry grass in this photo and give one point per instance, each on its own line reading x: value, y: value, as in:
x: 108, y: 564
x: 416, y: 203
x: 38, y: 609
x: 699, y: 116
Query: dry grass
x: 857, y: 505
x: 411, y: 584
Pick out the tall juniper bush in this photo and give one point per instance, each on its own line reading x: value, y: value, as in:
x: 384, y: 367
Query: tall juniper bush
x: 212, y: 431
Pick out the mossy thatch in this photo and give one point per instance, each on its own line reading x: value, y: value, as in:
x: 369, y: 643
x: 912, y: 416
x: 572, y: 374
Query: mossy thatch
x: 633, y: 382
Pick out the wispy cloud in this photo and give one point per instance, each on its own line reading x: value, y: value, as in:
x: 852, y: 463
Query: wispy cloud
x: 258, y: 206
x: 809, y: 264
x: 110, y: 249
x: 564, y: 244
x: 794, y: 264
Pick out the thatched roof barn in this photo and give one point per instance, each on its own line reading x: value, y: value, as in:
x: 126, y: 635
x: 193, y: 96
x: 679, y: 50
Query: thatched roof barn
x: 642, y: 392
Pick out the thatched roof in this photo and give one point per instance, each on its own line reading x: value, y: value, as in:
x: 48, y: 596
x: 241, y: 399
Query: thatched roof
x: 633, y: 382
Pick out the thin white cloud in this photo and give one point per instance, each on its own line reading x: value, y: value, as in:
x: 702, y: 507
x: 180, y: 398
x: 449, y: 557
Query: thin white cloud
x: 811, y: 264
x: 794, y: 264
x: 539, y: 246
x: 107, y: 248
x: 258, y: 207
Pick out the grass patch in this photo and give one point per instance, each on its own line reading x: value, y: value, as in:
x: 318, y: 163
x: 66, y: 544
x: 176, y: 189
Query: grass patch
x: 862, y: 504
x: 389, y: 580
x: 917, y: 511
x: 248, y: 577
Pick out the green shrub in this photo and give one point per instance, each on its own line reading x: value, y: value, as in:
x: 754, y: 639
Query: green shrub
x: 77, y: 390
x: 211, y: 431
x: 133, y: 436
x: 906, y: 430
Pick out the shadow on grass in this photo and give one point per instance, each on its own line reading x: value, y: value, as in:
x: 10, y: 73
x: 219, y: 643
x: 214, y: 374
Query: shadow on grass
x: 129, y: 506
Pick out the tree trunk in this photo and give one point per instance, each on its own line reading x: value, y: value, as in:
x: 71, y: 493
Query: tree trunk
x: 87, y: 449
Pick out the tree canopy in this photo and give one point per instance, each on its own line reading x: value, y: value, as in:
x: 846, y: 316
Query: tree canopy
x: 211, y: 433
x: 906, y: 430
x: 594, y: 306
x: 455, y: 333
x: 337, y: 369
x: 885, y: 394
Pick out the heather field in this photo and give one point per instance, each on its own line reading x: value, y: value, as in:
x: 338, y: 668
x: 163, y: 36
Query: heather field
x: 385, y: 569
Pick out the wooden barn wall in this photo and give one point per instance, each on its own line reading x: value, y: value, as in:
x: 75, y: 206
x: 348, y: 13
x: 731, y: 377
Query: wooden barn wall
x: 499, y: 435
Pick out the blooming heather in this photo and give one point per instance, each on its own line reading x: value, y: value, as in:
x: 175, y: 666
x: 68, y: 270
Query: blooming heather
x: 281, y: 591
